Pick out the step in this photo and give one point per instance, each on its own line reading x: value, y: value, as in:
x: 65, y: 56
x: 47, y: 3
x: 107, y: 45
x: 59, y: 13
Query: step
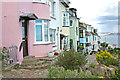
x: 36, y: 63
x: 43, y: 66
x: 47, y: 58
x: 34, y: 59
x: 29, y: 57
x: 31, y: 60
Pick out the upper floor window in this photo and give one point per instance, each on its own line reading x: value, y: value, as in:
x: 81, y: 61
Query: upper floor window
x: 71, y: 23
x: 65, y: 20
x: 42, y: 1
x: 41, y: 30
x: 52, y: 8
x: 81, y: 33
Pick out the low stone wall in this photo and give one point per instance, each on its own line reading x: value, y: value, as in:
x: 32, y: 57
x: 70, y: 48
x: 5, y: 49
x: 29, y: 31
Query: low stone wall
x: 104, y: 70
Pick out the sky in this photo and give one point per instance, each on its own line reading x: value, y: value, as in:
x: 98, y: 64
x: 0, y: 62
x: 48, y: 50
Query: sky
x: 101, y: 14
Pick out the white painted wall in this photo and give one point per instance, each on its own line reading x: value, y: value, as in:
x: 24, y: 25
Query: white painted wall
x: 55, y: 24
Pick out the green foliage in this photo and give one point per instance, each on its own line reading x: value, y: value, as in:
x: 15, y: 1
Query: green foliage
x: 106, y: 58
x: 114, y: 52
x: 71, y: 60
x: 85, y: 54
x: 104, y: 44
x: 116, y: 75
x: 62, y: 73
x: 92, y: 65
x: 80, y: 47
x: 1, y: 56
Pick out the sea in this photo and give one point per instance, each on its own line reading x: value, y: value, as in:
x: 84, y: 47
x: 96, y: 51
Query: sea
x: 111, y: 39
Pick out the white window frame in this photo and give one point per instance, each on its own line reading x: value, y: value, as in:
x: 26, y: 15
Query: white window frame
x: 66, y: 17
x: 54, y: 42
x: 43, y: 37
x: 52, y: 8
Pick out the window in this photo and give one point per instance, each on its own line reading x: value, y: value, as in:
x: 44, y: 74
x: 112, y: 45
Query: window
x: 86, y: 39
x: 81, y: 33
x: 52, y: 35
x: 52, y: 9
x: 38, y: 32
x: 41, y: 31
x: 71, y: 23
x: 65, y: 19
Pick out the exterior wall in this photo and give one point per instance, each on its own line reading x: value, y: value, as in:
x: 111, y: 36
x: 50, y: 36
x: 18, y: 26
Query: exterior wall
x: 41, y: 10
x: 77, y: 30
x: 11, y: 31
x: 12, y: 28
x: 38, y: 50
x: 72, y: 32
x: 1, y: 24
x: 55, y: 24
x: 65, y: 30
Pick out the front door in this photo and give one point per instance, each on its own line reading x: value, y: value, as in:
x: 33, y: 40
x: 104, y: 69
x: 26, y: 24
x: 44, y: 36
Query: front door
x: 24, y: 38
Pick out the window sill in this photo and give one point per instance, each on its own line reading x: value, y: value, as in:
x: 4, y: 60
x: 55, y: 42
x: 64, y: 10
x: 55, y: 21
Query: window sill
x: 40, y: 43
x: 65, y: 26
x: 40, y: 2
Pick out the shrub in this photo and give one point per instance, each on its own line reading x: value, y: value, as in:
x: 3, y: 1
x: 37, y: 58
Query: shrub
x: 71, y: 60
x: 116, y: 75
x: 1, y: 56
x: 62, y: 73
x: 106, y: 58
x: 80, y: 47
x: 92, y: 65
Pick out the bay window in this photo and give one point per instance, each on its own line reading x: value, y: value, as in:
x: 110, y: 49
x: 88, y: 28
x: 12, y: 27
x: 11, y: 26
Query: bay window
x: 65, y: 20
x: 41, y: 30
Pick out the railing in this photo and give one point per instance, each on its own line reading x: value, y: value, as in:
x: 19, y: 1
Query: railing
x: 9, y: 55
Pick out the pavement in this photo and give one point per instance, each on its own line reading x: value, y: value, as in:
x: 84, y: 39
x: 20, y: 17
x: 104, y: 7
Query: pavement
x: 91, y: 60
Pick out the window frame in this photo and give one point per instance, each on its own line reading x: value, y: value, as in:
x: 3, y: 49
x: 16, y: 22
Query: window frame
x: 54, y: 41
x: 66, y: 19
x: 43, y: 32
x: 52, y: 8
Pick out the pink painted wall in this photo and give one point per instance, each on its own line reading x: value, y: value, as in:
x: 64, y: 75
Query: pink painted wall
x: 11, y: 32
x: 41, y: 10
x: 37, y: 50
x: 0, y: 24
x: 12, y: 28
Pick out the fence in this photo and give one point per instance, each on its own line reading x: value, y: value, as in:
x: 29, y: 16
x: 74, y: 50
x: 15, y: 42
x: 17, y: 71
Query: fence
x: 9, y: 55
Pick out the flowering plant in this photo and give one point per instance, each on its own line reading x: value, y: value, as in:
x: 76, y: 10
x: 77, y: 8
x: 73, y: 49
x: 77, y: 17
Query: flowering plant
x: 104, y: 57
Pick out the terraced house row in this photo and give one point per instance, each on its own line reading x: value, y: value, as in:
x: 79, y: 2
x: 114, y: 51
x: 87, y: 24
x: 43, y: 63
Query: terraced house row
x: 41, y: 26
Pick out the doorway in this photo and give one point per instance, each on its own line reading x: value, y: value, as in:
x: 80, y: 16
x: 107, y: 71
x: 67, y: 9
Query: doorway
x: 25, y: 38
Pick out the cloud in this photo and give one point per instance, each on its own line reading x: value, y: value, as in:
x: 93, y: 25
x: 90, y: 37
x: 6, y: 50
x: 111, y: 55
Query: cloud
x: 108, y: 18
x: 101, y: 14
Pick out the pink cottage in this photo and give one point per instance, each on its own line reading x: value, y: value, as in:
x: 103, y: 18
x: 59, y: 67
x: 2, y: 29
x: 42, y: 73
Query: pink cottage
x: 26, y: 25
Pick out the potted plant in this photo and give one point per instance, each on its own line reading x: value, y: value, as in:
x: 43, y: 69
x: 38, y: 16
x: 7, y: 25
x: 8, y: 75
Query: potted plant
x: 50, y: 54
